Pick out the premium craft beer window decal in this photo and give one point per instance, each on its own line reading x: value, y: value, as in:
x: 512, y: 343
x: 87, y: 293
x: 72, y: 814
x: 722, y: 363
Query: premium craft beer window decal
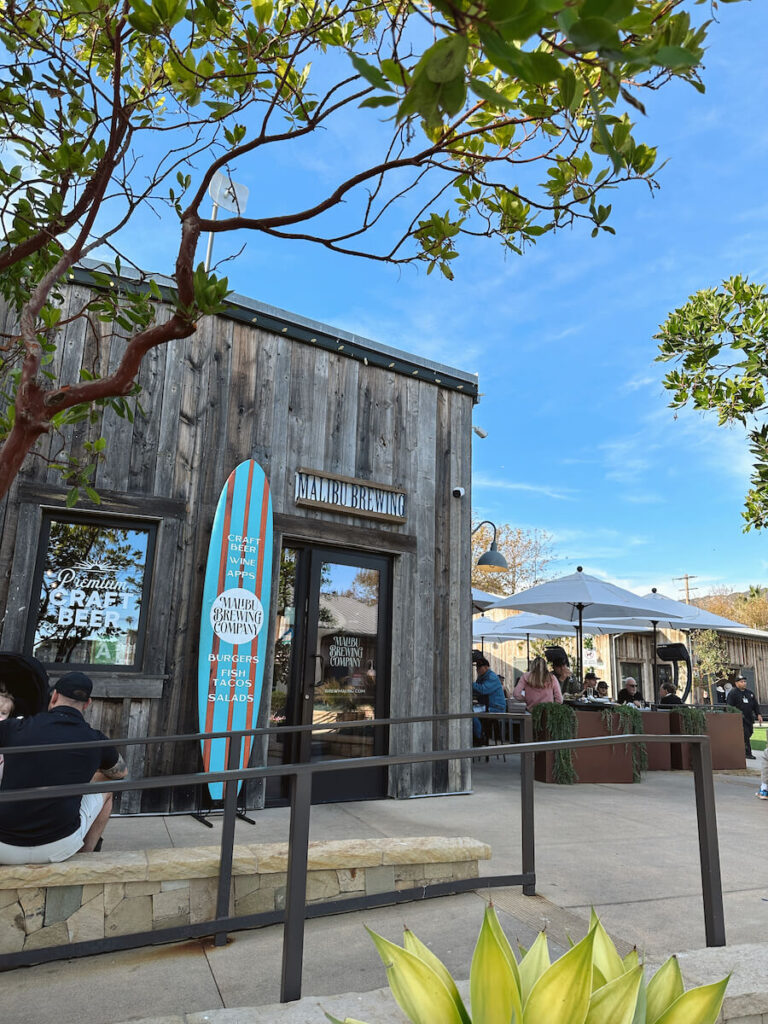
x: 93, y: 589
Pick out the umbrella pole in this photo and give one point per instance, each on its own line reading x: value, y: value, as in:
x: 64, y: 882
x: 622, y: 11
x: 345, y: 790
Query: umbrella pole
x: 580, y: 644
x: 528, y: 649
x: 653, y: 663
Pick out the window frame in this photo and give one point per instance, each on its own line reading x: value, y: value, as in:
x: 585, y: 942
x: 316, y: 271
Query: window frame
x: 106, y: 520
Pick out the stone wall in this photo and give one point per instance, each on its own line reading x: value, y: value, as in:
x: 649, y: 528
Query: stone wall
x: 93, y: 896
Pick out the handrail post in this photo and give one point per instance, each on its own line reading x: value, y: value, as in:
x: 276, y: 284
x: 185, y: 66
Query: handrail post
x: 227, y: 837
x: 709, y: 853
x: 526, y: 809
x: 296, y: 888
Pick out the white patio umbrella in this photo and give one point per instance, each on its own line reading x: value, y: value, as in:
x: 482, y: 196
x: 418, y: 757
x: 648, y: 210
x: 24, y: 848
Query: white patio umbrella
x: 482, y: 600
x: 521, y: 627
x: 669, y: 613
x: 571, y: 596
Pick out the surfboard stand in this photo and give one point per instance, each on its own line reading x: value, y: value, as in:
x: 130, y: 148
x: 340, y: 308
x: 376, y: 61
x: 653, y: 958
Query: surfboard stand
x: 202, y: 814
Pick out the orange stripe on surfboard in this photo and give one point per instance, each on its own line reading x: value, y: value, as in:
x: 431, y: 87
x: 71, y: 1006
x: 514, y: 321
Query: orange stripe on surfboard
x: 243, y: 552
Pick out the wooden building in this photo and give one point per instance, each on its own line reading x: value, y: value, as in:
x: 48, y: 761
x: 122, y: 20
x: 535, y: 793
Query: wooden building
x: 115, y: 588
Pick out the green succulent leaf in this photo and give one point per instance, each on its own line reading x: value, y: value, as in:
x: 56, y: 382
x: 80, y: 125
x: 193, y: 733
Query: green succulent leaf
x: 494, y: 992
x: 663, y: 989
x: 563, y: 991
x: 615, y: 1002
x: 416, y: 946
x: 701, y: 1005
x: 605, y: 957
x: 418, y: 990
x: 533, y: 964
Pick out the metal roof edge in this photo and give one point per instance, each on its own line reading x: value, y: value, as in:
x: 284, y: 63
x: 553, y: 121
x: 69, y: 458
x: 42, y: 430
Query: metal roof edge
x: 248, y: 311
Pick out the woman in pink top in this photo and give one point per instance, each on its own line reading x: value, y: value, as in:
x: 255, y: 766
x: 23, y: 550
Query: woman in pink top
x: 539, y: 684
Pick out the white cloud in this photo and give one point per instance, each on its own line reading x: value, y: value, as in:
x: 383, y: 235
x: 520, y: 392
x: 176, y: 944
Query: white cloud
x: 480, y: 482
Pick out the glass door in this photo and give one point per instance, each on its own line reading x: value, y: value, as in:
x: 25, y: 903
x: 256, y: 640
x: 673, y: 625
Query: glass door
x: 332, y: 666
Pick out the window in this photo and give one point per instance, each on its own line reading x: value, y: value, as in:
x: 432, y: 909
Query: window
x: 91, y: 591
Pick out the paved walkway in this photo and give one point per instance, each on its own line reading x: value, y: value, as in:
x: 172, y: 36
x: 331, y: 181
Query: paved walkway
x: 631, y: 851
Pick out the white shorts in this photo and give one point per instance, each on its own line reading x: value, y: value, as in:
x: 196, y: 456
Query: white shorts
x: 49, y: 853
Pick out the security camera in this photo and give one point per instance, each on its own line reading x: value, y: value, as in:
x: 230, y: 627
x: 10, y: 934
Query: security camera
x: 479, y: 431
x: 458, y: 492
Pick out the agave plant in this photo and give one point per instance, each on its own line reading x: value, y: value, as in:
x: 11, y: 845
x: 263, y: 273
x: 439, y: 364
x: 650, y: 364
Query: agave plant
x: 590, y: 984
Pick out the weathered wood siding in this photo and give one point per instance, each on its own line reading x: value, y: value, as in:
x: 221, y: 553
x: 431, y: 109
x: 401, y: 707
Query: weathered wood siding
x: 235, y: 391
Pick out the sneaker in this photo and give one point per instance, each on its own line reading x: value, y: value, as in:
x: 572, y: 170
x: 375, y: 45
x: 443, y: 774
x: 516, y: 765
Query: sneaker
x: 762, y: 793
x: 750, y: 757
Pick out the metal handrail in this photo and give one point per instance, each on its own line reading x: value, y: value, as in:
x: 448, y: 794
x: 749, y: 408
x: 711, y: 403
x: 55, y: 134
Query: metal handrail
x: 301, y: 775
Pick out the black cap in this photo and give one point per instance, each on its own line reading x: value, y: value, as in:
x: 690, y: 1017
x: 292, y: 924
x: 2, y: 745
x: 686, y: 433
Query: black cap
x: 75, y: 685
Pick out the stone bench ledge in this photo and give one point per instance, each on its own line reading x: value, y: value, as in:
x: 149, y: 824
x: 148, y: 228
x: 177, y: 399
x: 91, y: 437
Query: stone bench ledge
x: 248, y: 859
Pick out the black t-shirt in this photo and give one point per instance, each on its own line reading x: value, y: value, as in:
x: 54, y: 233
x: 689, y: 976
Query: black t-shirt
x: 35, y: 822
x: 670, y: 698
x: 625, y: 697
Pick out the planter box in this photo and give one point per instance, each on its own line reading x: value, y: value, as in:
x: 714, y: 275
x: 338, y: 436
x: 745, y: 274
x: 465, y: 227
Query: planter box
x: 598, y: 764
x: 726, y: 740
x: 659, y: 754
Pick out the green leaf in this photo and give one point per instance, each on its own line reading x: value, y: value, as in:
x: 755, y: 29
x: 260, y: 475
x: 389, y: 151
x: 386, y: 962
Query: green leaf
x: 594, y: 34
x: 494, y: 992
x: 369, y: 72
x: 613, y: 10
x: 604, y: 954
x: 379, y: 101
x: 444, y: 60
x: 533, y: 964
x: 663, y: 989
x: 72, y: 495
x: 563, y: 991
x: 417, y: 989
x: 414, y: 945
x: 701, y: 1005
x: 487, y: 93
x: 615, y: 1002
x: 675, y: 57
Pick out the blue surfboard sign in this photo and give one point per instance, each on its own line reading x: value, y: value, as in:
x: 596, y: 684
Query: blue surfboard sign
x: 235, y: 615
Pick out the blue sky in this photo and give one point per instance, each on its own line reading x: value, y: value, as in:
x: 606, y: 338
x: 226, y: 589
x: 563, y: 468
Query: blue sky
x: 580, y: 441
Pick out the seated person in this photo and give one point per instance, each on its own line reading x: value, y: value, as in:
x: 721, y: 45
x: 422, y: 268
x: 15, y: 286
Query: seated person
x: 602, y: 690
x: 561, y: 669
x: 590, y: 683
x: 669, y: 694
x: 630, y: 694
x: 538, y: 686
x: 6, y: 710
x: 56, y: 827
x: 486, y: 689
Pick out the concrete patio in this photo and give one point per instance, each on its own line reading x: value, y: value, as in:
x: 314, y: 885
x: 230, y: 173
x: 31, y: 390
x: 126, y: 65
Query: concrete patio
x: 631, y: 851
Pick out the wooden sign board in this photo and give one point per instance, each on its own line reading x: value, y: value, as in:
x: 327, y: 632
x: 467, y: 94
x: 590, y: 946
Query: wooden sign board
x: 235, y: 614
x: 335, y: 493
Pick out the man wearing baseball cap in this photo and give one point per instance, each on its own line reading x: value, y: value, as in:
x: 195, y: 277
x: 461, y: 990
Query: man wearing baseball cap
x: 53, y: 829
x: 743, y: 699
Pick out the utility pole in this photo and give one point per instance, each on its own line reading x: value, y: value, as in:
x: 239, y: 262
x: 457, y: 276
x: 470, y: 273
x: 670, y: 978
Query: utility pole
x: 687, y: 577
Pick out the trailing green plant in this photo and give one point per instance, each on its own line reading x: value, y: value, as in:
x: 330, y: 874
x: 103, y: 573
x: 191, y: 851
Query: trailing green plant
x: 557, y: 722
x: 693, y: 720
x: 629, y: 720
x: 590, y: 984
